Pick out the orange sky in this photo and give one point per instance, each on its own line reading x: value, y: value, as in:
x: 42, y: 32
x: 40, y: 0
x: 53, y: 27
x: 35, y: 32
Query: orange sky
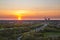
x: 29, y: 14
x: 29, y: 9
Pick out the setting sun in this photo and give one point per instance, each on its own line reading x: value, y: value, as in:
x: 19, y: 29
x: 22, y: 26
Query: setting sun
x: 29, y: 9
x: 19, y: 18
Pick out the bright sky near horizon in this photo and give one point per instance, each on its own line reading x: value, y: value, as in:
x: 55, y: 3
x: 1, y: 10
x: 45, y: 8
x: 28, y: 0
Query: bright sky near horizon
x: 29, y: 9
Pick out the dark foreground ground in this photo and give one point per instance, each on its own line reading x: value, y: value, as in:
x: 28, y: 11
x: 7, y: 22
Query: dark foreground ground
x: 13, y: 29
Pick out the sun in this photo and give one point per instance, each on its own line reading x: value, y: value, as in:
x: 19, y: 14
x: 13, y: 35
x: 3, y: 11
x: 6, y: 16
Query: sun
x: 20, y: 13
x: 19, y: 18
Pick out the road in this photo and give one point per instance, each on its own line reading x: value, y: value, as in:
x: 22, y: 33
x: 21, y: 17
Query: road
x: 36, y: 30
x: 5, y: 28
x: 19, y: 38
x: 41, y: 28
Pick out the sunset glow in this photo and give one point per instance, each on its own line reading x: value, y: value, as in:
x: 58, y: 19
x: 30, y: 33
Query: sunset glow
x: 29, y: 9
x: 19, y: 18
x: 22, y: 11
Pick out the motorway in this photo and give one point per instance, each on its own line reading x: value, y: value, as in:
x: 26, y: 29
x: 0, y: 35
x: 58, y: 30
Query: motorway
x: 36, y: 30
x: 5, y: 28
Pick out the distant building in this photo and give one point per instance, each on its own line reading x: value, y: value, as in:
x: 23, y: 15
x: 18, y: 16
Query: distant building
x: 45, y: 19
x: 48, y: 19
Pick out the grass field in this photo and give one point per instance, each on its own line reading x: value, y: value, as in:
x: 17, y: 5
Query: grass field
x: 50, y: 34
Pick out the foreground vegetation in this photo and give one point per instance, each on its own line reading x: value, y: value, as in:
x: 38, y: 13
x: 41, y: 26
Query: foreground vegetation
x: 13, y: 31
x: 51, y: 32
